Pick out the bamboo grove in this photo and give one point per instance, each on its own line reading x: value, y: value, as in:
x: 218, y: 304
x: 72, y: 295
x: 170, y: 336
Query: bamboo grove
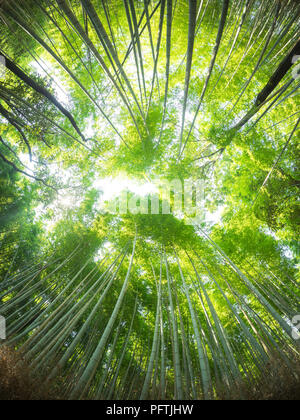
x: 150, y: 306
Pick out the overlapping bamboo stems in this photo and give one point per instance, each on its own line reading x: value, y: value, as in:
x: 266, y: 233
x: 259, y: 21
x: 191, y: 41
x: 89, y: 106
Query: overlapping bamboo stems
x: 139, y: 47
x: 190, y: 49
x: 36, y: 323
x: 211, y: 66
x: 168, y: 63
x: 112, y: 386
x: 73, y: 317
x: 233, y: 43
x: 76, y: 25
x: 104, y: 39
x: 7, y: 95
x: 156, y: 56
x: 89, y: 372
x: 28, y: 29
x: 264, y: 49
x: 145, y: 389
x: 68, y: 308
x: 108, y: 362
x: 84, y: 328
x: 177, y: 364
x: 253, y: 289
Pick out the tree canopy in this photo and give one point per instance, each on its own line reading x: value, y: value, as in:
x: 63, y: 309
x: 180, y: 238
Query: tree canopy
x: 99, y: 97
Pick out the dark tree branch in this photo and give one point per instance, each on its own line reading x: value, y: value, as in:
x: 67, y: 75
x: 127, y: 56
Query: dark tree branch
x: 25, y: 173
x: 10, y: 119
x: 279, y: 74
x: 43, y: 91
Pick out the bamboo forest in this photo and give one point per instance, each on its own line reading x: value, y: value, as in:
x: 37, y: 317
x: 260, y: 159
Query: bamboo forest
x: 149, y: 199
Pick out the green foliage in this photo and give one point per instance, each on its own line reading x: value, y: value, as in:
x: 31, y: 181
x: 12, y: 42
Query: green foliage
x: 206, y: 303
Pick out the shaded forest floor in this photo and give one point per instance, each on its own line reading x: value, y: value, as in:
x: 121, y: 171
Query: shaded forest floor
x: 277, y: 382
x: 16, y: 383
